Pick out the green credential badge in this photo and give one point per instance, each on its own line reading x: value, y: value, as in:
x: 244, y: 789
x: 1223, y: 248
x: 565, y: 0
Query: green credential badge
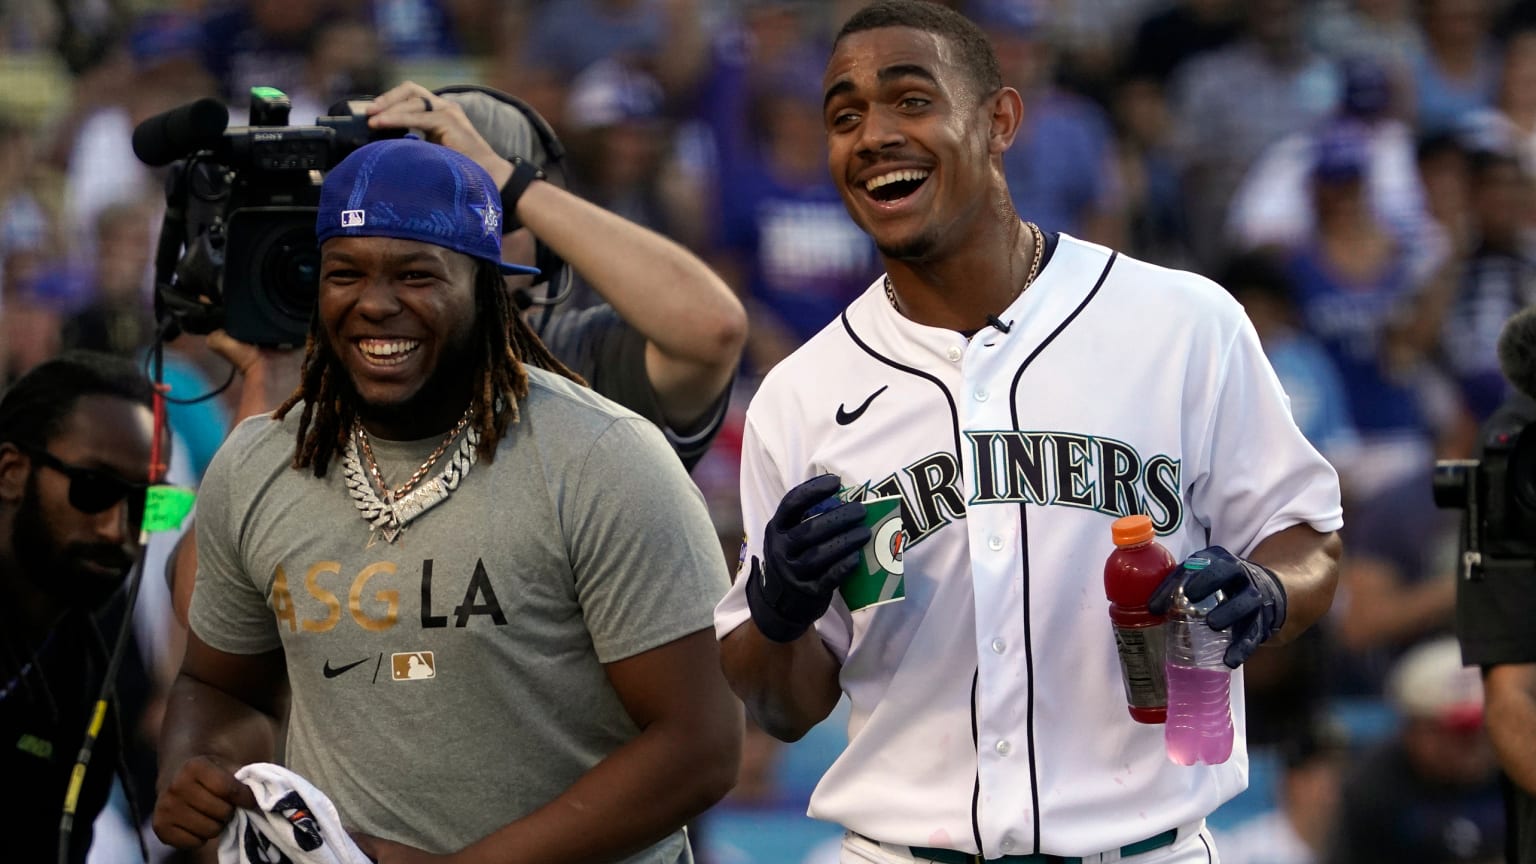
x: 166, y: 507
x: 878, y: 578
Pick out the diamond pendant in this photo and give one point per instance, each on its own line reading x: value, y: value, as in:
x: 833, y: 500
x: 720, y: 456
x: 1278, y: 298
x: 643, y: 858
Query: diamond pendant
x: 422, y: 498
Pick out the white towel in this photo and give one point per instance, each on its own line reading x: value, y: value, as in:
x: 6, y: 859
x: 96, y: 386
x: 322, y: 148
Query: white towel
x: 296, y: 824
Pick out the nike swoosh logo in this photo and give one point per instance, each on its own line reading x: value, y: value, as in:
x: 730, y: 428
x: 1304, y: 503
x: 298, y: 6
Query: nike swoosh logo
x: 844, y: 416
x: 333, y: 672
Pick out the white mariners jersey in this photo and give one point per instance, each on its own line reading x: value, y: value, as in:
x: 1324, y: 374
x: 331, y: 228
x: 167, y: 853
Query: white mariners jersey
x: 987, y: 710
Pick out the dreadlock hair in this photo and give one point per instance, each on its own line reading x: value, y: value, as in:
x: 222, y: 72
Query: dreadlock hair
x: 506, y: 343
x: 976, y: 54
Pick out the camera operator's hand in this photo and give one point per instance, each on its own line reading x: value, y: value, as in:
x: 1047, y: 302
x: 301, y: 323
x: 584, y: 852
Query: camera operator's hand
x: 267, y: 375
x: 442, y: 121
x: 241, y: 355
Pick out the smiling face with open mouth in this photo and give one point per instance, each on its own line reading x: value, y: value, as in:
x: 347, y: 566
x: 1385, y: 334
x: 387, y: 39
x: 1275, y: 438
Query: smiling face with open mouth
x: 907, y: 140
x: 399, y: 315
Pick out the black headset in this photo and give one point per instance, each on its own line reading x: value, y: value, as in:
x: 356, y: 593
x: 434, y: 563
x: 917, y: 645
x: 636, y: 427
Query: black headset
x: 501, y: 132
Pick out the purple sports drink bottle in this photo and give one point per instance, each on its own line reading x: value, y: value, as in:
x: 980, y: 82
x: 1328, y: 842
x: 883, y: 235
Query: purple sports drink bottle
x: 1199, y: 684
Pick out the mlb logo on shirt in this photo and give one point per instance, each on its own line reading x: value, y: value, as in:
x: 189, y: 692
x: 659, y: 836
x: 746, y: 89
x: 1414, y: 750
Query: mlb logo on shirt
x: 412, y: 666
x: 352, y: 218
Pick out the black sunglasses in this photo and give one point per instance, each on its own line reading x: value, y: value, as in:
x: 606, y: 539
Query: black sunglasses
x: 92, y: 490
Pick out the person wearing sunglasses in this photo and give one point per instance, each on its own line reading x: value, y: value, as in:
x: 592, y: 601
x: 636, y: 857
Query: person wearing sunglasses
x: 75, y: 436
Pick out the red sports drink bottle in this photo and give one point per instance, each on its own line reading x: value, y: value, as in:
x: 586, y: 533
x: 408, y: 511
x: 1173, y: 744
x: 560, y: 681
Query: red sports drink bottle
x: 1132, y: 572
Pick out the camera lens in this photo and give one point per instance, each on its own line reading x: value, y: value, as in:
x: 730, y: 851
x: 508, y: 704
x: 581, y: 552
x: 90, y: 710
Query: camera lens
x: 290, y: 271
x: 270, y: 274
x: 1452, y: 480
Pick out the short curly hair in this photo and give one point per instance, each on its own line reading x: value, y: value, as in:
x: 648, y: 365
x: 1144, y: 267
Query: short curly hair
x: 976, y: 54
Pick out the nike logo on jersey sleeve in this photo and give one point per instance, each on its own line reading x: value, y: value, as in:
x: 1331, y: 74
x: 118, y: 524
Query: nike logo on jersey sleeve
x: 844, y: 416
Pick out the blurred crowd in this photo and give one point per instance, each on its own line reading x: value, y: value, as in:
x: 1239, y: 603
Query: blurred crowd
x: 1358, y: 173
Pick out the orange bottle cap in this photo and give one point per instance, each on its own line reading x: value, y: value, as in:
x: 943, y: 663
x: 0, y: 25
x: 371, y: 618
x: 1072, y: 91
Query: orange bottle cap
x: 1131, y: 530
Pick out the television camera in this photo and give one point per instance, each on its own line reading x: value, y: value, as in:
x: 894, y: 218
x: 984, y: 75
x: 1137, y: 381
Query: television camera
x: 1497, y: 493
x: 237, y: 244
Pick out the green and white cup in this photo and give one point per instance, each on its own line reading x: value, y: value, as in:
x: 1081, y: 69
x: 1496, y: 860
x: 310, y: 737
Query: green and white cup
x: 879, y: 579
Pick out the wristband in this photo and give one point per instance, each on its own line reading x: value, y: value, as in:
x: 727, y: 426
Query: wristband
x: 523, y: 175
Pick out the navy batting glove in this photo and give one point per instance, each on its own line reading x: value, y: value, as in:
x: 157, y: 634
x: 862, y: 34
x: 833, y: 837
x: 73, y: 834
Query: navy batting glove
x: 810, y: 547
x: 1253, y: 607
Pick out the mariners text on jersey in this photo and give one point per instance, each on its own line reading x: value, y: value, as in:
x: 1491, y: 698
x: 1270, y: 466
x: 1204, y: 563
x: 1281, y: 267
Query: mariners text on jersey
x: 1048, y: 468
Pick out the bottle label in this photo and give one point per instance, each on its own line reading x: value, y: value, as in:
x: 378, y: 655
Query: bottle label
x: 1142, y: 652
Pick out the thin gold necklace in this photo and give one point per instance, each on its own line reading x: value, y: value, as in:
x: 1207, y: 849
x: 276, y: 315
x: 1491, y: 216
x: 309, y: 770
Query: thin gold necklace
x: 1034, y: 266
x: 400, y: 491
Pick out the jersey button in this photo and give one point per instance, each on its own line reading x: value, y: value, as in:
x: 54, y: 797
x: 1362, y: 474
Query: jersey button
x: 999, y: 646
x: 995, y: 543
x: 954, y: 353
x: 1008, y: 844
x: 981, y: 394
x: 1004, y: 748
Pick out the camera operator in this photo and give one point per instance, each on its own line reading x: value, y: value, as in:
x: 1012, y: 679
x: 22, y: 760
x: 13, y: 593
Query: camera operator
x: 74, y: 460
x: 1496, y: 607
x: 667, y: 343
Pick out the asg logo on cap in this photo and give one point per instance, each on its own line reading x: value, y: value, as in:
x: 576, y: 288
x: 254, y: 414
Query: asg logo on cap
x: 352, y: 218
x: 490, y: 215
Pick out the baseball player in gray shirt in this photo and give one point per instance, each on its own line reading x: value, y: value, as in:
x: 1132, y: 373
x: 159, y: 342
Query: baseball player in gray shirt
x: 488, y: 589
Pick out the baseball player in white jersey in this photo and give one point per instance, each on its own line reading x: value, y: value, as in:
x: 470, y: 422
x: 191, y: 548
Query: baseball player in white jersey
x: 1019, y: 391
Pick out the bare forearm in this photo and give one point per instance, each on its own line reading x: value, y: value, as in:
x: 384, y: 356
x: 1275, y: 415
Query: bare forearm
x: 634, y: 798
x: 1511, y: 716
x: 201, y: 720
x: 787, y: 687
x: 181, y: 573
x: 1307, y: 563
x: 663, y: 290
x: 267, y: 375
x: 265, y: 386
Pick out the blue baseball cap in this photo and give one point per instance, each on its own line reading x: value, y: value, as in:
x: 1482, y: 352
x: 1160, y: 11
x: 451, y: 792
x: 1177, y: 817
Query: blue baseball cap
x: 411, y: 189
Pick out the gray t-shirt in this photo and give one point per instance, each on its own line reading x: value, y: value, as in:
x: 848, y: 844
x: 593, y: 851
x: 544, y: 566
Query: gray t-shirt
x: 609, y: 353
x: 452, y: 682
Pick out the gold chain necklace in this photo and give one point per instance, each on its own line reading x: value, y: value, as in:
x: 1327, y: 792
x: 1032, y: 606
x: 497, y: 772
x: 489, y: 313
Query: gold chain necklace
x: 1034, y: 266
x: 373, y: 466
